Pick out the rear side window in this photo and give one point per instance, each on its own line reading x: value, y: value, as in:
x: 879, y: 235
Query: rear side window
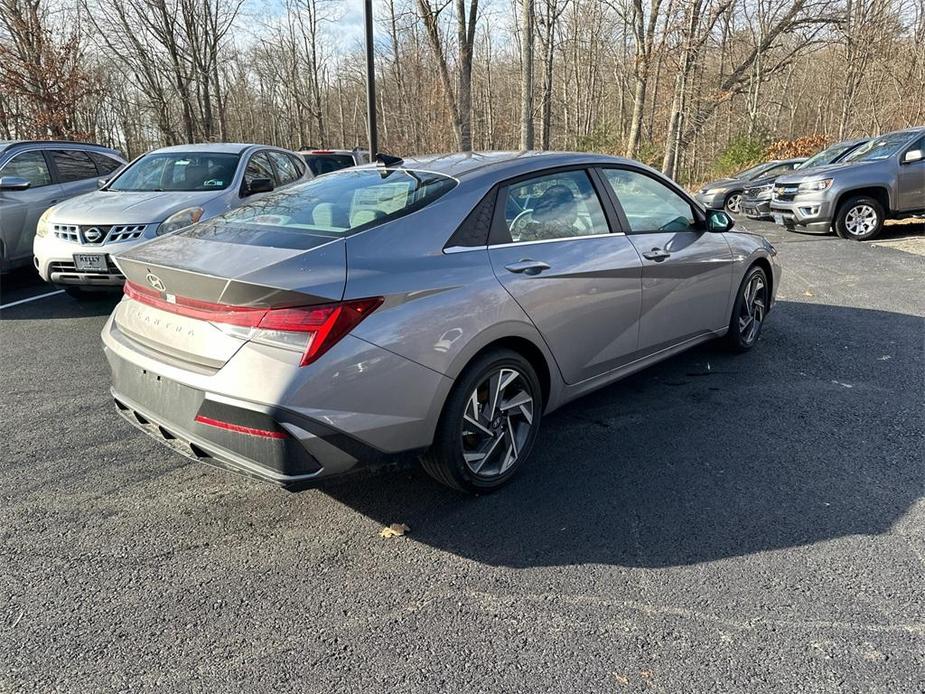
x: 104, y: 165
x: 326, y: 163
x: 73, y: 165
x: 28, y: 165
x: 285, y: 168
x: 335, y: 205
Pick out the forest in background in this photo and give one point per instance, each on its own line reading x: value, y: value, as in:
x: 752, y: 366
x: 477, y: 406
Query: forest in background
x: 693, y: 87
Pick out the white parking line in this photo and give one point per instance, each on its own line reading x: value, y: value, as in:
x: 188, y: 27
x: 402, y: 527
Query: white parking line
x: 31, y: 298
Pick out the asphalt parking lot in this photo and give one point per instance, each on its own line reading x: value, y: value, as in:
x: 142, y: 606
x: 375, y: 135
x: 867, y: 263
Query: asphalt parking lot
x: 714, y: 523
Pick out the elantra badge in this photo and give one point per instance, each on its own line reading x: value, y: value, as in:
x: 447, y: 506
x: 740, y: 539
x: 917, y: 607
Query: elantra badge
x: 155, y: 282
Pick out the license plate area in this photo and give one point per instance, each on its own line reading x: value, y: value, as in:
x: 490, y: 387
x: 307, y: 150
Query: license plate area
x: 779, y: 219
x: 90, y: 262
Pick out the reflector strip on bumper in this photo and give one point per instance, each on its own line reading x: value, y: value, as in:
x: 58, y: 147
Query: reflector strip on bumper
x: 250, y: 431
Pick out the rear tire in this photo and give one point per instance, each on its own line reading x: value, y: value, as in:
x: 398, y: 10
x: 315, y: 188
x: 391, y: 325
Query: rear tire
x: 859, y: 218
x: 749, y: 310
x: 488, y: 425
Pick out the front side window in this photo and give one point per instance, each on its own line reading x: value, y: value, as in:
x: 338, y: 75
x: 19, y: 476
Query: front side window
x: 555, y: 206
x: 285, y: 169
x: 73, y: 165
x: 333, y: 205
x: 178, y: 171
x: 879, y: 148
x: 28, y: 165
x: 259, y: 166
x: 649, y: 205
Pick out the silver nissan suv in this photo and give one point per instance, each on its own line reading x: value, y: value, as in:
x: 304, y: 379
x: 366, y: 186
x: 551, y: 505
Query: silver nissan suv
x: 883, y: 179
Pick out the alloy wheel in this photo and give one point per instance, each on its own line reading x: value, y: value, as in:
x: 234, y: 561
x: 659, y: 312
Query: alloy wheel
x: 734, y: 203
x: 861, y: 220
x: 496, y: 422
x: 754, y: 307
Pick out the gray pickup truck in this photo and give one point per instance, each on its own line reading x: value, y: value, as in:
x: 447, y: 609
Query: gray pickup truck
x: 883, y: 179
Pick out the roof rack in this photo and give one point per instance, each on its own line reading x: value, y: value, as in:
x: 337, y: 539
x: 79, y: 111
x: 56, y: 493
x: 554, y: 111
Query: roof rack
x: 16, y: 143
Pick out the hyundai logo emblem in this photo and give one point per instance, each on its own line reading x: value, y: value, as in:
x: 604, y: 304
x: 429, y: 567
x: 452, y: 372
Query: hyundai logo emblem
x: 155, y: 282
x: 93, y: 234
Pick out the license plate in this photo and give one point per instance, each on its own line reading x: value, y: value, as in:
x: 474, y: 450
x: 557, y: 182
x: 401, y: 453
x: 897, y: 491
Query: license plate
x: 90, y: 262
x: 779, y: 219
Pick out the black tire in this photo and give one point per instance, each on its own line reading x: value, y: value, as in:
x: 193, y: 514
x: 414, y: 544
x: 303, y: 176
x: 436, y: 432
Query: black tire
x: 444, y: 460
x: 741, y: 338
x: 733, y: 202
x: 848, y: 219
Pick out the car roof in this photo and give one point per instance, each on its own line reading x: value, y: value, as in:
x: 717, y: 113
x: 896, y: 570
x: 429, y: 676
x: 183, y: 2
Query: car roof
x: 466, y: 164
x: 215, y: 147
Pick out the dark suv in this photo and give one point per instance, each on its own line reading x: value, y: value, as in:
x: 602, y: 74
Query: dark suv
x: 34, y: 175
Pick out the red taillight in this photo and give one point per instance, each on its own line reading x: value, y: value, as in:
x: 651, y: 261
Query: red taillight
x: 323, y: 325
x: 240, y: 429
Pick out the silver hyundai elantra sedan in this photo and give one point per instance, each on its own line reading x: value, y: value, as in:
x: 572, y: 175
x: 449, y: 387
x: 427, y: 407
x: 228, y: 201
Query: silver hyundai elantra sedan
x: 443, y: 305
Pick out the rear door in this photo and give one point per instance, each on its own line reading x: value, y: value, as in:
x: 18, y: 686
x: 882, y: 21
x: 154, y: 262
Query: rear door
x: 74, y: 170
x: 687, y: 270
x: 554, y: 249
x: 911, y: 179
x: 20, y: 209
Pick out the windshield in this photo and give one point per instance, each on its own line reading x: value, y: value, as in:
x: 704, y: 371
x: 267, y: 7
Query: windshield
x: 326, y: 163
x: 178, y: 171
x: 335, y: 205
x: 879, y: 147
x: 753, y: 172
x: 826, y: 156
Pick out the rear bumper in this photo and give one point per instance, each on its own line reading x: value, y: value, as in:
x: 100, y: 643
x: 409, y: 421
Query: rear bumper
x: 288, y: 424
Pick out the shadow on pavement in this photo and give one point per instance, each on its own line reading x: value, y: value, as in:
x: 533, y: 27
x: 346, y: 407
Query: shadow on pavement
x: 814, y: 435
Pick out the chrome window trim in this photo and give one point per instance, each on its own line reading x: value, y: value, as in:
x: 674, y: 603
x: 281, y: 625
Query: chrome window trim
x: 465, y: 249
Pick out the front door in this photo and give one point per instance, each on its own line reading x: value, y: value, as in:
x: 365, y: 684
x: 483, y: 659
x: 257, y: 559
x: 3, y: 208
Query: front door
x: 911, y: 180
x: 687, y: 271
x: 555, y: 253
x: 21, y: 209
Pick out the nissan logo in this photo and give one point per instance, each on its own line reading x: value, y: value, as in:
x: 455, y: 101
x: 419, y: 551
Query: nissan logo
x: 93, y: 235
x: 155, y: 282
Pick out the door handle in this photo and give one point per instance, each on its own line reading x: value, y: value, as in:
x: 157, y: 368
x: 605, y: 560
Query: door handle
x: 656, y: 254
x: 527, y: 266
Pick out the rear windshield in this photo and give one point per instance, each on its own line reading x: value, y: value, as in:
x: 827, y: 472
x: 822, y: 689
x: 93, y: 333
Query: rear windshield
x: 326, y: 163
x: 753, y: 172
x: 344, y: 202
x: 880, y: 147
x: 178, y: 171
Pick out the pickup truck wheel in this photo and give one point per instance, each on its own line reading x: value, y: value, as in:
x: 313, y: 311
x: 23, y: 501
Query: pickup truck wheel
x: 734, y: 202
x: 859, y: 218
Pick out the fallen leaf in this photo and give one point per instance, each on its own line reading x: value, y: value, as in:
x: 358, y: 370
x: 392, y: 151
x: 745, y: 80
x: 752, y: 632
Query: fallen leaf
x: 621, y: 679
x: 394, y: 530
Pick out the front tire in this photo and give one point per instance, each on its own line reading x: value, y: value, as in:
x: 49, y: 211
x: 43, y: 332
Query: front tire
x: 488, y: 425
x: 749, y: 310
x: 859, y: 218
x: 733, y: 202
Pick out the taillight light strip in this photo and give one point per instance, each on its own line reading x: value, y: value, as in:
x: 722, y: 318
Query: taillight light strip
x: 323, y: 324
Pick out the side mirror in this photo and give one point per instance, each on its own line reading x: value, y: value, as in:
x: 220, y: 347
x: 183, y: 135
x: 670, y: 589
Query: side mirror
x: 100, y: 182
x: 913, y: 155
x: 259, y: 185
x: 718, y: 221
x: 14, y: 183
